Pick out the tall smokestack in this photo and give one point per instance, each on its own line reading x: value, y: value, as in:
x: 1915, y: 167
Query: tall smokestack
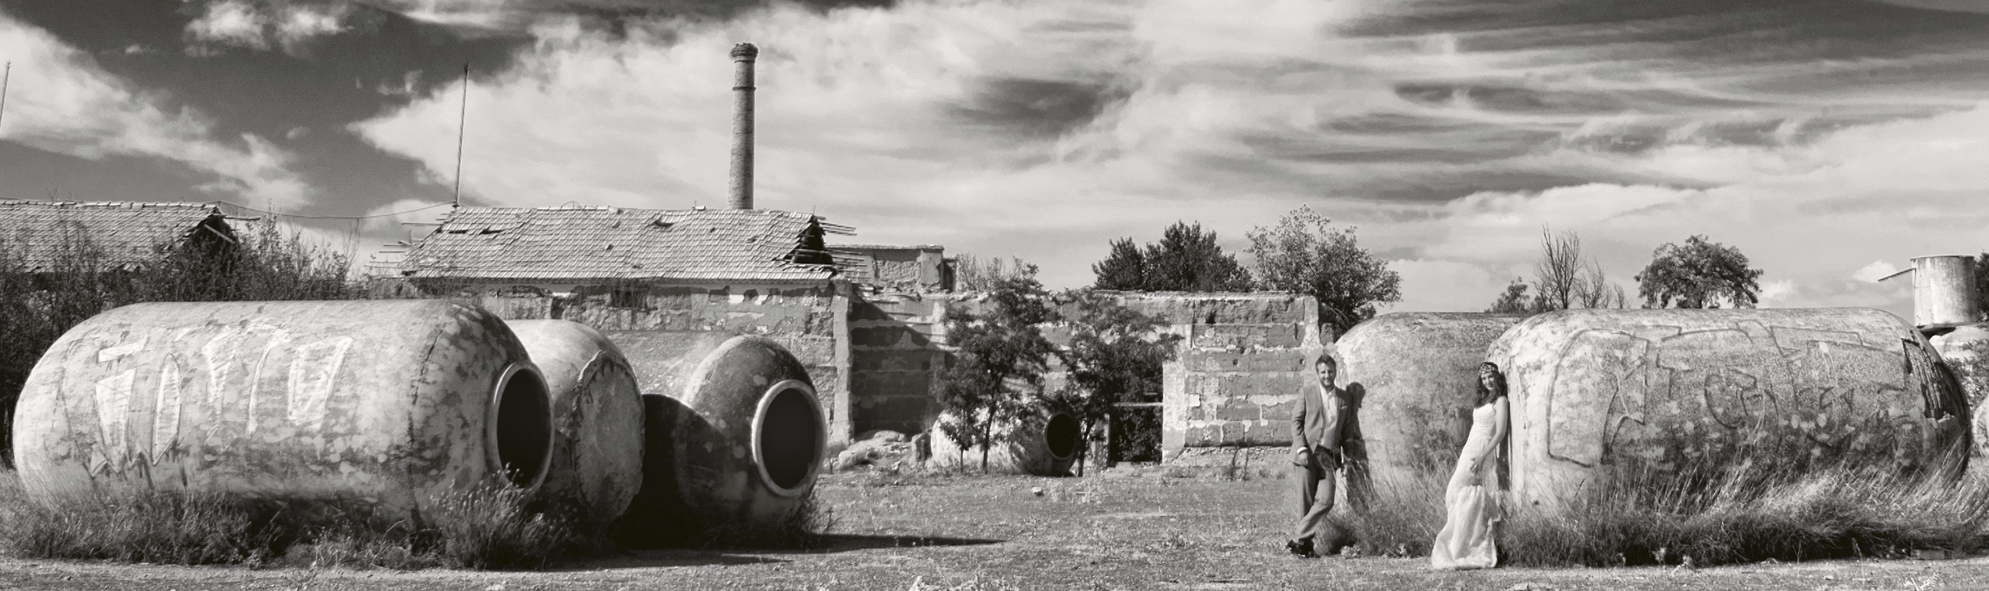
x: 742, y: 124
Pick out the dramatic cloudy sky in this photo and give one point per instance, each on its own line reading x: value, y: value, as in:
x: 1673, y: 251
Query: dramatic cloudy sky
x: 1829, y: 140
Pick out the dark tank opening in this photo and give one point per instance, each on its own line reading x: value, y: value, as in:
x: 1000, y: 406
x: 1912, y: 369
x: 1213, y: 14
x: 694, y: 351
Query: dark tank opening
x: 789, y: 433
x: 524, y: 428
x: 1061, y: 434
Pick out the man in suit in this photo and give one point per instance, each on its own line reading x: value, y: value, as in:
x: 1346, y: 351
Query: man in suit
x: 1322, y: 429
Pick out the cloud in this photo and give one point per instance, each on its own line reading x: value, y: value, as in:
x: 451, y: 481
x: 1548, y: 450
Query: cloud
x: 289, y: 26
x: 62, y: 102
x: 1449, y: 133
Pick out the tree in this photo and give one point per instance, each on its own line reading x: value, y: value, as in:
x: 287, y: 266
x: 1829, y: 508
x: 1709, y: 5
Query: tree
x: 971, y: 273
x: 1114, y: 356
x: 1123, y: 270
x: 1000, y: 356
x: 1700, y: 274
x: 1185, y: 259
x: 1513, y: 301
x: 1304, y: 254
x: 1563, y: 278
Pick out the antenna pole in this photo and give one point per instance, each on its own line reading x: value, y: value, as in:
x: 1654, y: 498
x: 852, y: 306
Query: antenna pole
x: 4, y: 79
x: 461, y: 122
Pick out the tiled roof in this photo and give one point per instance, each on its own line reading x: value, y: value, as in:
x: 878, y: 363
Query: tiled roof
x: 129, y: 233
x: 577, y: 243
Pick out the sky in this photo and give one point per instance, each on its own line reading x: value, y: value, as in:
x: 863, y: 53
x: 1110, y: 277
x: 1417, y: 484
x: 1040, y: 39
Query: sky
x: 1828, y: 140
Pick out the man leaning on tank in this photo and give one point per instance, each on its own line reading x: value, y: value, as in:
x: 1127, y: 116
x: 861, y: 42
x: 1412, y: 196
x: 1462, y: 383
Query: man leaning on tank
x: 1323, y: 428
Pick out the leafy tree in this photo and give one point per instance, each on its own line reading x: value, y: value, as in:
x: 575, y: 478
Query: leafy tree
x: 1513, y: 301
x: 999, y: 359
x: 1123, y: 270
x: 1114, y: 356
x: 1185, y: 259
x: 1700, y: 274
x: 1304, y: 254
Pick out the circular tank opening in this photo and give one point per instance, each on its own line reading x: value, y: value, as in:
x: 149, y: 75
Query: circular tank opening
x: 522, y: 427
x: 1061, y: 434
x: 788, y: 436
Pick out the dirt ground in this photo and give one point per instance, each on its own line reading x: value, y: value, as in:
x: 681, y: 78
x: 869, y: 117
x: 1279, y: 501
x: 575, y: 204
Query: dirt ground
x: 1128, y: 529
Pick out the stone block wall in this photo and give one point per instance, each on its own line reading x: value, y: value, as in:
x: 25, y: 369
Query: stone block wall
x: 895, y: 362
x: 1241, y: 367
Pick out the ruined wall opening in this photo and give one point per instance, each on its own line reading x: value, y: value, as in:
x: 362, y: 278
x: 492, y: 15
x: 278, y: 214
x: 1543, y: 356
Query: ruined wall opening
x: 1061, y: 435
x: 521, y: 431
x: 788, y: 435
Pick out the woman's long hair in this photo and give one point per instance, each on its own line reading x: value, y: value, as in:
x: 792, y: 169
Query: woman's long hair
x: 1498, y: 389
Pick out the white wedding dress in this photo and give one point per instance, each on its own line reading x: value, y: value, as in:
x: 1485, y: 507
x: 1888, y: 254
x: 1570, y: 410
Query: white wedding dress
x: 1471, y: 499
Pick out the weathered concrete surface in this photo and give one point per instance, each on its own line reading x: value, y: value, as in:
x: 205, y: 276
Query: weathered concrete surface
x: 1045, y: 444
x: 1965, y: 350
x: 734, y: 436
x: 596, y: 464
x: 383, y: 402
x: 811, y: 321
x: 1419, y: 375
x: 1237, y: 376
x: 1696, y: 391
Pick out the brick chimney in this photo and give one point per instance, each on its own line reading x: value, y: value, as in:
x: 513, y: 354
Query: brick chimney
x: 742, y: 125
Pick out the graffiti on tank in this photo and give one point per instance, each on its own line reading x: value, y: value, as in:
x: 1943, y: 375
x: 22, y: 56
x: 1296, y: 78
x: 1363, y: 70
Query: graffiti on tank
x: 1674, y: 398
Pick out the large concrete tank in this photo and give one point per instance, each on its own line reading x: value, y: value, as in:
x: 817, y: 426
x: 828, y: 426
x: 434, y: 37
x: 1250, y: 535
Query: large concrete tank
x: 382, y: 402
x: 1692, y: 392
x: 1044, y: 444
x: 735, y: 434
x: 596, y: 465
x: 1944, y: 291
x: 1418, y: 375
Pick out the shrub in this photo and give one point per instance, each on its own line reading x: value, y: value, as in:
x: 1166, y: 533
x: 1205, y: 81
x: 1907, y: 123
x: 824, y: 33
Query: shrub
x: 1747, y: 515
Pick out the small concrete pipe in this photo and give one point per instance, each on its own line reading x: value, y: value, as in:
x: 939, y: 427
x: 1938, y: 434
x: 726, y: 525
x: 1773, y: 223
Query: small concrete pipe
x: 596, y: 466
x: 1417, y: 374
x: 1043, y: 444
x: 735, y: 434
x: 1693, y: 392
x: 388, y: 403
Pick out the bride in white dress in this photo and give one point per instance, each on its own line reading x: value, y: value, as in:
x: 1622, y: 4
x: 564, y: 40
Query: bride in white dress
x: 1471, y: 499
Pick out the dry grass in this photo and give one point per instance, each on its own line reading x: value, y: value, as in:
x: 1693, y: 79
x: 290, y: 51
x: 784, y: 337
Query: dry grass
x: 1744, y: 516
x: 488, y: 528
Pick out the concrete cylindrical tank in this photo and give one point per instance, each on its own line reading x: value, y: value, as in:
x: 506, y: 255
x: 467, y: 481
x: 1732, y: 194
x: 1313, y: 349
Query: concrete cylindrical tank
x: 1693, y: 392
x: 1944, y: 290
x: 735, y: 433
x: 382, y: 402
x: 1043, y: 443
x: 596, y: 465
x: 1417, y: 374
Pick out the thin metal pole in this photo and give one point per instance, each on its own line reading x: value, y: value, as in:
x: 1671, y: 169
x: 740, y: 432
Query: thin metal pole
x: 462, y: 121
x: 4, y: 79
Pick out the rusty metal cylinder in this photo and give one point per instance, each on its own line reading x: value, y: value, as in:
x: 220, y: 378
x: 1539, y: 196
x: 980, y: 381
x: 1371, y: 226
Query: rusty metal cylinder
x: 1691, y: 393
x: 390, y: 403
x: 1944, y: 291
x: 735, y: 434
x: 596, y: 463
x: 1416, y: 375
x: 1042, y: 443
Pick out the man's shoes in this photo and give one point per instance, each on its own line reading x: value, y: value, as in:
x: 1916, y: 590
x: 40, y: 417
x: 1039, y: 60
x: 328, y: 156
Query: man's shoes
x: 1300, y: 548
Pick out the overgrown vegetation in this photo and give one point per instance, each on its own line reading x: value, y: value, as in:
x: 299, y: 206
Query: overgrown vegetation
x: 484, y: 528
x: 1305, y: 254
x: 73, y: 278
x: 1114, y: 356
x: 1185, y: 259
x: 1563, y: 278
x: 1000, y: 358
x: 1748, y: 515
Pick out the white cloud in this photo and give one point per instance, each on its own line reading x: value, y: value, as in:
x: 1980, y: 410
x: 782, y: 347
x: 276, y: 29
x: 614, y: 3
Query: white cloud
x: 62, y: 102
x: 259, y: 26
x: 1874, y: 272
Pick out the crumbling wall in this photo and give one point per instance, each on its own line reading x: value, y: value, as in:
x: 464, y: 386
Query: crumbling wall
x: 895, y: 362
x: 1241, y: 367
x: 811, y: 321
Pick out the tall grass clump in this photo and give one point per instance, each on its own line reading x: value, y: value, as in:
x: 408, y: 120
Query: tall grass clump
x: 1738, y: 515
x: 801, y: 527
x: 482, y: 528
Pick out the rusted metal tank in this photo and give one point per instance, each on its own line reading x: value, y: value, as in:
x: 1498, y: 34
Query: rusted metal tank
x: 1944, y: 290
x: 1044, y: 444
x: 735, y: 434
x: 596, y: 462
x: 1417, y: 376
x: 381, y: 402
x: 1693, y: 392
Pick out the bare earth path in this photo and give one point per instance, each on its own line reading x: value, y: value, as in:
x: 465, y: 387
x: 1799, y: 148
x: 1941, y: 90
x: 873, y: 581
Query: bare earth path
x: 978, y: 533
